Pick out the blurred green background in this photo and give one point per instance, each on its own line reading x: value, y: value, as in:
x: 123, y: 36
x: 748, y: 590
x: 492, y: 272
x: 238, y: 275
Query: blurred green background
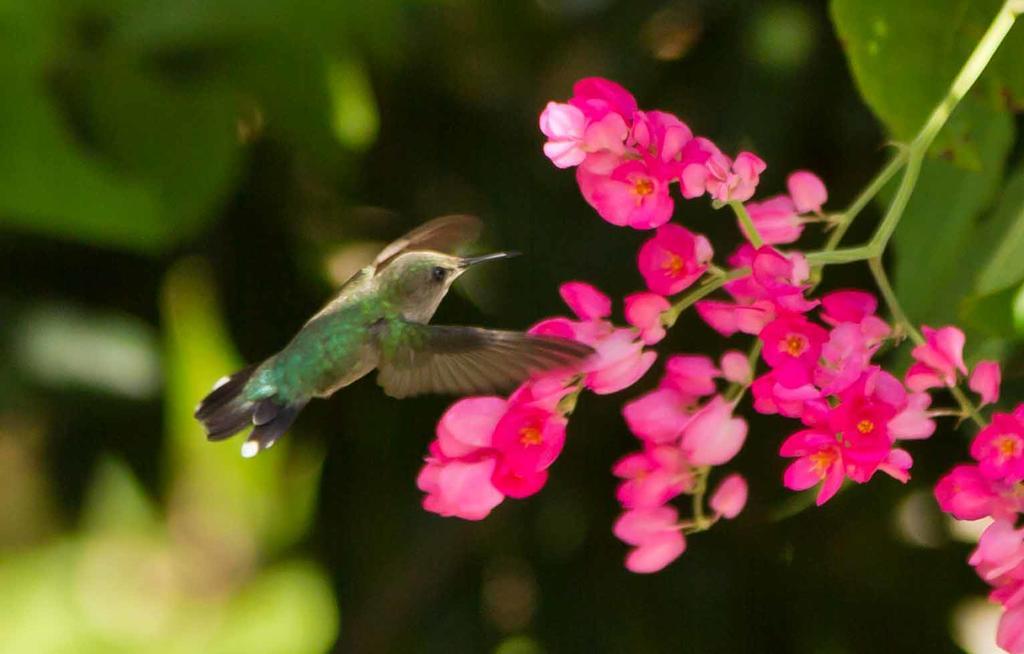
x: 183, y: 182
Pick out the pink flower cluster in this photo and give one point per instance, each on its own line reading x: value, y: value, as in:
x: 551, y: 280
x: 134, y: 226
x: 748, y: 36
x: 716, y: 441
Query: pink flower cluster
x: 626, y: 159
x: 489, y: 448
x: 684, y: 425
x: 990, y: 487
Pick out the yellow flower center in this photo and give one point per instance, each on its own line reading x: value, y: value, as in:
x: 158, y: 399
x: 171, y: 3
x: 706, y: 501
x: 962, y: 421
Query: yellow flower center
x: 642, y: 187
x: 865, y: 426
x: 529, y: 436
x: 672, y: 265
x: 1008, y: 446
x: 822, y: 461
x: 794, y: 345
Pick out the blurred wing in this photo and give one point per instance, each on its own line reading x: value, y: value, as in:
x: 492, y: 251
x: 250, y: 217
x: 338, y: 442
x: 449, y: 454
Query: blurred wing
x: 445, y: 234
x: 417, y: 358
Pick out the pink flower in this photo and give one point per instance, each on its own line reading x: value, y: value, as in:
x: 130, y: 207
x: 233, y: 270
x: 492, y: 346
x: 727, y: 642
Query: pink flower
x: 727, y: 318
x: 643, y: 311
x: 597, y: 96
x: 1010, y: 634
x: 693, y: 375
x: 662, y: 136
x: 985, y: 380
x: 774, y: 277
x: 807, y: 190
x: 771, y: 397
x: 723, y: 179
x: 965, y: 493
x: 659, y: 416
x: 459, y: 488
x: 673, y: 259
x: 820, y: 461
x: 897, y: 465
x: 844, y: 357
x: 775, y: 219
x: 938, y: 359
x: 730, y: 497
x: 630, y: 194
x: 847, y: 306
x: 655, y: 535
x: 999, y: 448
x: 563, y: 124
x: 713, y: 436
x: 585, y: 301
x: 1000, y: 549
x: 467, y: 425
x: 652, y: 477
x: 792, y: 345
x: 914, y: 422
x: 619, y: 363
x: 736, y: 367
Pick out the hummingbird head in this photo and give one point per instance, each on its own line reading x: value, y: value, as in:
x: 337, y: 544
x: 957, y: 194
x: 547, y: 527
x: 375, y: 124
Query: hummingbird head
x: 417, y: 281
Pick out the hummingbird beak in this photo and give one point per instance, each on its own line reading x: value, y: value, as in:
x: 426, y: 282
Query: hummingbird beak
x: 466, y: 262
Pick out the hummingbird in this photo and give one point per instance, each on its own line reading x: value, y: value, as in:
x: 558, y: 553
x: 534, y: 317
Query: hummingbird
x: 379, y: 319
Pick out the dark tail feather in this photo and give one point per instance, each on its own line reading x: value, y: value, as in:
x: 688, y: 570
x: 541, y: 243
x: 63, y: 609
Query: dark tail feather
x: 224, y: 411
x: 271, y: 419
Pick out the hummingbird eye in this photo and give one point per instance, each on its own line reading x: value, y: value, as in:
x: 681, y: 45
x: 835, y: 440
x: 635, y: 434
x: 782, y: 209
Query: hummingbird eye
x: 438, y: 273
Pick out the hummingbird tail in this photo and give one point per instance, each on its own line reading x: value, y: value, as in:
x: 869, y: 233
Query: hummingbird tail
x: 225, y: 412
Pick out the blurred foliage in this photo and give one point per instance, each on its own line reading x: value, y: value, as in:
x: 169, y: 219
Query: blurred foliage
x: 182, y: 181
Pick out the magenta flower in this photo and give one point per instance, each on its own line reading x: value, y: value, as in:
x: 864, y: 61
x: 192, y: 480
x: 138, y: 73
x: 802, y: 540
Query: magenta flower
x: 713, y: 436
x: 643, y: 311
x: 775, y: 219
x: 564, y: 125
x: 661, y: 136
x: 838, y: 307
x: 585, y: 301
x: 820, y: 462
x: 771, y: 397
x: 999, y: 448
x: 652, y: 477
x: 632, y: 194
x: 938, y: 360
x: 720, y: 177
x: 914, y: 422
x: 1000, y: 549
x: 466, y: 427
x: 620, y: 361
x: 1010, y: 634
x: 985, y: 380
x: 596, y: 96
x: 660, y: 415
x: 807, y: 190
x: 730, y: 497
x: 655, y: 535
x: 727, y: 318
x: 965, y: 493
x: 673, y: 259
x: 693, y: 375
x: 736, y: 367
x: 792, y: 346
x: 459, y: 488
x: 529, y: 438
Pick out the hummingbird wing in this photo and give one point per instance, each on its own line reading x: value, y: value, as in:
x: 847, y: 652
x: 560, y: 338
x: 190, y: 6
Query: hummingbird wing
x: 416, y: 358
x: 445, y: 234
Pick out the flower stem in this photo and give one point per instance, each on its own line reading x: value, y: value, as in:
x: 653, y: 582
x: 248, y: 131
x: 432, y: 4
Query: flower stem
x: 967, y: 408
x: 865, y: 196
x: 669, y: 317
x: 748, y: 224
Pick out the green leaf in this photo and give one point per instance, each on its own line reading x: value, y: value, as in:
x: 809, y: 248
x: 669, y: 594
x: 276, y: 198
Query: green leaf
x: 1005, y: 267
x: 905, y: 53
x: 933, y: 241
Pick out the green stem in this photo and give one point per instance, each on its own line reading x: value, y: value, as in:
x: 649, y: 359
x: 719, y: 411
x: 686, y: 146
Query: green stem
x: 866, y: 196
x: 748, y: 224
x: 967, y: 408
x: 669, y: 317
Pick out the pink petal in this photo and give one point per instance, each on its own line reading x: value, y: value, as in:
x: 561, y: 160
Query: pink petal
x: 691, y: 374
x: 985, y: 381
x: 714, y: 436
x: 468, y: 424
x: 736, y: 367
x: 656, y: 553
x: 639, y: 526
x: 1010, y: 634
x: 807, y: 190
x: 585, y: 301
x: 464, y: 490
x: 730, y: 497
x: 643, y: 311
